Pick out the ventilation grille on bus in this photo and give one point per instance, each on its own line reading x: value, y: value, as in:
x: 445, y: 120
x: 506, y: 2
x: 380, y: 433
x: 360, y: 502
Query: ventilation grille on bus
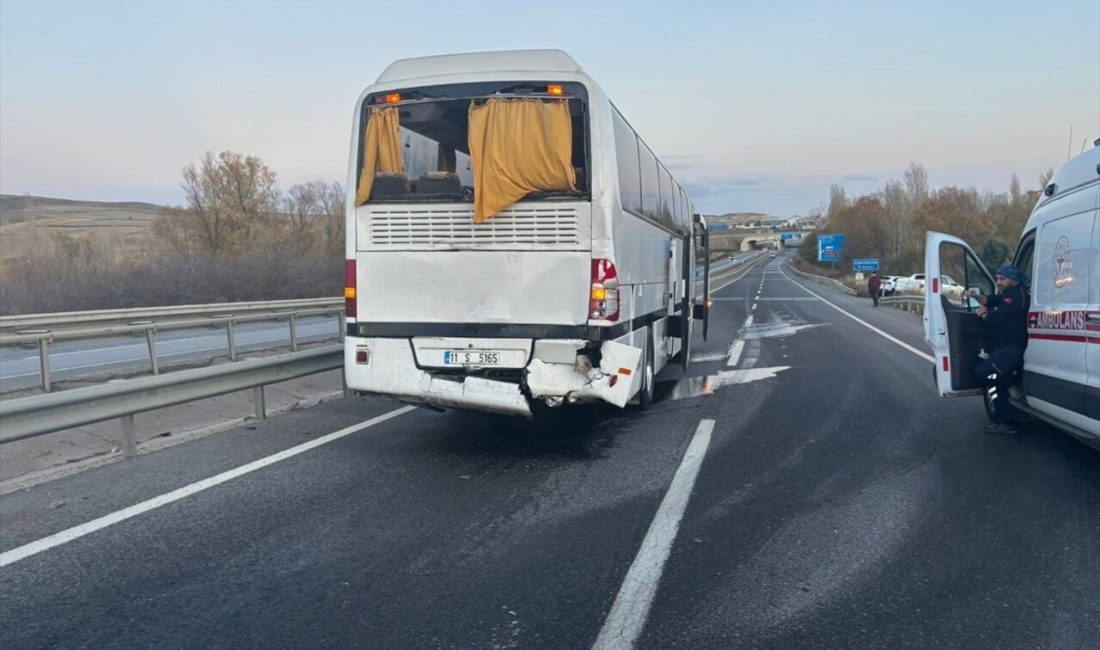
x: 396, y: 227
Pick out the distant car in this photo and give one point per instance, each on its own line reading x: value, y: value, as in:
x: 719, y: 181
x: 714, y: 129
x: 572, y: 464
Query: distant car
x: 889, y: 285
x: 771, y: 254
x: 915, y: 283
x: 912, y: 283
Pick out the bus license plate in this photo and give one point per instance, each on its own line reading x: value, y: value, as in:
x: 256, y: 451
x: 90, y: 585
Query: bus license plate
x: 471, y: 358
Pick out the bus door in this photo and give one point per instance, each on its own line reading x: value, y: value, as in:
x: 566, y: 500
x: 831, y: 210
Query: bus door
x: 701, y: 307
x: 673, y: 274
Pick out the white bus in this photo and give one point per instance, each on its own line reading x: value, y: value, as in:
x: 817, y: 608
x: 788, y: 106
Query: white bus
x: 512, y: 244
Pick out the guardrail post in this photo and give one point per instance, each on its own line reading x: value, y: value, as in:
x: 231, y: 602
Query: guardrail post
x: 293, y: 332
x: 258, y: 401
x: 151, y: 340
x: 343, y: 325
x: 129, y: 439
x: 44, y: 362
x: 231, y: 339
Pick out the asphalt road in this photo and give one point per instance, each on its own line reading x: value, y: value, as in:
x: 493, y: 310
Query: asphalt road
x: 839, y: 503
x: 19, y: 366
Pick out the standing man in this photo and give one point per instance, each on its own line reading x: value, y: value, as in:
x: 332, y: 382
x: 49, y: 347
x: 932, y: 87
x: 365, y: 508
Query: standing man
x: 1005, y: 317
x: 874, y: 287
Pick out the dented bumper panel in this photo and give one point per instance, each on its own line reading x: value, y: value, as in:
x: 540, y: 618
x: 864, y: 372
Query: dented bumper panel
x: 390, y: 370
x: 557, y: 369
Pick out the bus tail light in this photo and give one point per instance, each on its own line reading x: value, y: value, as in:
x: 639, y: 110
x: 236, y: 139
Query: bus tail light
x: 349, y: 289
x: 603, y: 300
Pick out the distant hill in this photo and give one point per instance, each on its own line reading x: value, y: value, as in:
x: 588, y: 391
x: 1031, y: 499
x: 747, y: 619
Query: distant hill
x: 741, y: 217
x: 27, y: 221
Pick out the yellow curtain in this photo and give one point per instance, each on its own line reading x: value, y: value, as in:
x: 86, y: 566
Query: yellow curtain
x: 381, y: 150
x: 518, y: 146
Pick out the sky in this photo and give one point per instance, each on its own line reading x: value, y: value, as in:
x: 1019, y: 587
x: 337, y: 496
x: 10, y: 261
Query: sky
x: 753, y: 106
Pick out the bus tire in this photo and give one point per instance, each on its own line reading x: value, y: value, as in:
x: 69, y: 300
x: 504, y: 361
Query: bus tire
x: 645, y: 393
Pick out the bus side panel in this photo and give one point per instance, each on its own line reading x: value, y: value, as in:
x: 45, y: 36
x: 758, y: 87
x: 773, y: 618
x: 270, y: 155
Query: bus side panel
x: 642, y: 258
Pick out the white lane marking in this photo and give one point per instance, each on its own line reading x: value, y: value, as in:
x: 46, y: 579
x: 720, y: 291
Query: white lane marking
x: 735, y: 352
x: 892, y: 339
x: 76, y: 532
x: 797, y: 299
x: 753, y: 307
x: 779, y: 330
x: 710, y: 356
x: 744, y: 275
x: 745, y: 376
x: 748, y: 323
x: 631, y: 608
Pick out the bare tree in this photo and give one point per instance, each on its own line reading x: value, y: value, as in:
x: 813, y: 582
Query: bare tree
x: 916, y: 183
x: 899, y: 211
x: 302, y: 205
x: 838, y: 201
x: 1015, y: 195
x: 231, y: 197
x: 316, y: 211
x: 334, y: 200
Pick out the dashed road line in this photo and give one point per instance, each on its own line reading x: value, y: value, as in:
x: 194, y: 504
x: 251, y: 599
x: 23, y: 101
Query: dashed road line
x: 735, y: 352
x: 628, y: 614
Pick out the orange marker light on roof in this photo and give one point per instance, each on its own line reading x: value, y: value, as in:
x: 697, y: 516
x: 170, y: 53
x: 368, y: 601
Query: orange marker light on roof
x: 393, y: 98
x: 555, y: 89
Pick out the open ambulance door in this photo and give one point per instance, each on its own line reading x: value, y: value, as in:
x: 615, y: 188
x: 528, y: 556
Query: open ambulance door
x: 952, y: 325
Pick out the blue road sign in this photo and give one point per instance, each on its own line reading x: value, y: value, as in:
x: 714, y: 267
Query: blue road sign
x: 829, y: 247
x: 790, y: 235
x: 865, y: 264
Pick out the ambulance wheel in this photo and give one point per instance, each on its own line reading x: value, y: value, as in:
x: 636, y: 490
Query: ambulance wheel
x: 645, y: 394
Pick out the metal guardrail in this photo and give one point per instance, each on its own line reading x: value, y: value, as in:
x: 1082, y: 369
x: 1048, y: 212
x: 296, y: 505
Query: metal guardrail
x: 67, y: 318
x: 820, y: 279
x: 44, y: 329
x: 913, y: 304
x: 27, y: 417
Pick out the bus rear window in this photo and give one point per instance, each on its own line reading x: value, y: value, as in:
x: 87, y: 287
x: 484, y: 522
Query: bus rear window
x: 433, y: 132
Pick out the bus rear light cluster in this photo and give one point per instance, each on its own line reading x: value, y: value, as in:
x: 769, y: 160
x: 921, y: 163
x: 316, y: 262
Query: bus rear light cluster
x: 350, y: 292
x: 603, y: 303
x: 362, y: 354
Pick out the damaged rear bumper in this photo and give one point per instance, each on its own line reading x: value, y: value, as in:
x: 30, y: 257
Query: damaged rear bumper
x: 558, y: 371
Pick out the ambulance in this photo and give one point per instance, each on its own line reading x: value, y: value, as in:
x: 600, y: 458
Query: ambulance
x: 1060, y: 251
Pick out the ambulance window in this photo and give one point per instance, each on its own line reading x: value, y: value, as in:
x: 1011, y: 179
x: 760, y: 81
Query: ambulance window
x: 1025, y: 253
x: 960, y: 270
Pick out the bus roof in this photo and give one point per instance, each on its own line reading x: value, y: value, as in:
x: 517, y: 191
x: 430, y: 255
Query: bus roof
x: 541, y: 61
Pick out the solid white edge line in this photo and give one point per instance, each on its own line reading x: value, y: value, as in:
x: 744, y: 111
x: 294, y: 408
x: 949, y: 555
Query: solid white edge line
x: 628, y: 614
x: 923, y: 355
x: 76, y: 532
